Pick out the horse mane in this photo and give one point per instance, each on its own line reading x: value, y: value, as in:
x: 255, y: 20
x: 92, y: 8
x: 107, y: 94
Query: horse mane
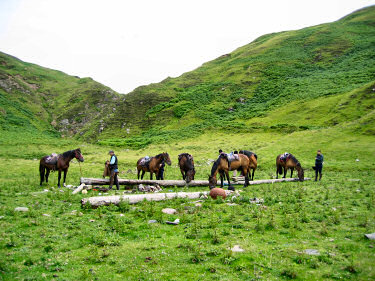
x: 245, y: 152
x: 215, y: 165
x: 69, y: 153
x: 298, y: 164
x: 158, y: 156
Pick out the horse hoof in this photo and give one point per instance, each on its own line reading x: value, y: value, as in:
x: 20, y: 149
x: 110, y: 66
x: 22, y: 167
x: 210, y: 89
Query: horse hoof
x: 231, y: 188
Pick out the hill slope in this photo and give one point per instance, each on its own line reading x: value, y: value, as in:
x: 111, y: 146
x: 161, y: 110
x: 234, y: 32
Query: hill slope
x: 285, y: 81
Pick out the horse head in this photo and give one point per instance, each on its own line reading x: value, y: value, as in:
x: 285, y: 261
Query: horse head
x: 190, y: 175
x: 212, y: 181
x: 78, y: 155
x: 301, y: 173
x: 166, y: 158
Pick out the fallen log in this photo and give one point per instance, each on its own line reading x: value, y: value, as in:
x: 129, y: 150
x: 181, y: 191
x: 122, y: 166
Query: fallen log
x: 179, y: 183
x: 132, y: 199
x: 79, y: 188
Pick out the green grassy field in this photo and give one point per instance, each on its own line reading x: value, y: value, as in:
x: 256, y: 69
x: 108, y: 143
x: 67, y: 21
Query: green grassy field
x: 75, y: 243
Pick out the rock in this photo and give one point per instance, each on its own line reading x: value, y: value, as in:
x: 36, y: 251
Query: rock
x: 169, y: 211
x: 256, y: 200
x: 357, y: 160
x: 312, y: 252
x: 237, y: 248
x: 175, y: 222
x: 198, y: 205
x: 84, y: 191
x: 215, y: 192
x: 46, y: 215
x: 21, y: 209
x: 152, y: 221
x: 370, y: 236
x: 1, y: 217
x: 232, y: 204
x: 92, y: 220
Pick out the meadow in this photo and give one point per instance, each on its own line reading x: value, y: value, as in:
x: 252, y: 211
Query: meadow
x: 58, y: 239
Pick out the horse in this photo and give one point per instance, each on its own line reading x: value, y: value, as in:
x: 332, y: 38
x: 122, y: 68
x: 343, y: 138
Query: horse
x: 222, y: 166
x: 186, y: 163
x: 253, y: 163
x: 291, y: 163
x: 153, y: 165
x: 60, y: 163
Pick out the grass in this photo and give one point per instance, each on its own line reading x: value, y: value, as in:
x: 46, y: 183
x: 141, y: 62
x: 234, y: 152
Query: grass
x: 75, y: 243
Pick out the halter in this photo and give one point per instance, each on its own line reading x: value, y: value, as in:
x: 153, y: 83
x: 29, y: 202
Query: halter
x: 77, y: 154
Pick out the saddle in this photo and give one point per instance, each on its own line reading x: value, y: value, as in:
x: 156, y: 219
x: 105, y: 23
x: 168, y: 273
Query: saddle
x: 233, y: 157
x: 285, y: 157
x: 52, y: 160
x: 145, y: 161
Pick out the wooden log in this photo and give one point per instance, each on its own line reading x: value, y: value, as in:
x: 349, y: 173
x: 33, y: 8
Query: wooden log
x: 180, y: 183
x: 97, y: 181
x: 132, y: 199
x: 79, y: 188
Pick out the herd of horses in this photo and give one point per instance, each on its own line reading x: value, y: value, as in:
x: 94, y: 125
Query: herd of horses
x: 246, y: 163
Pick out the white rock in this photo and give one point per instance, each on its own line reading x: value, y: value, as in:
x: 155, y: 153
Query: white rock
x: 232, y: 204
x: 1, y: 217
x: 46, y: 215
x: 122, y: 215
x: 370, y: 236
x: 198, y: 205
x: 21, y: 209
x: 312, y: 252
x: 169, y: 211
x: 152, y: 221
x: 84, y: 191
x: 237, y: 248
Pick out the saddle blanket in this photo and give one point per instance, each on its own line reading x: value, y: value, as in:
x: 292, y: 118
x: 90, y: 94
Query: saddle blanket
x: 233, y: 157
x: 145, y: 160
x: 52, y: 159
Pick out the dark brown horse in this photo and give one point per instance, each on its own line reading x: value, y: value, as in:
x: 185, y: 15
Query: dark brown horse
x: 59, y: 163
x: 221, y: 166
x: 290, y: 162
x: 186, y: 163
x: 153, y: 165
x: 253, y: 162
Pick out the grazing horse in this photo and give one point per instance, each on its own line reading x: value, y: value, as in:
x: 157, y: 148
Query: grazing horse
x: 60, y: 163
x: 253, y: 163
x: 186, y: 163
x: 289, y: 163
x: 222, y: 167
x: 153, y: 165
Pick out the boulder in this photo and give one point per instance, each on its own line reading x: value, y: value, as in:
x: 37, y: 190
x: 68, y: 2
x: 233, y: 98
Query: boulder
x: 370, y: 236
x: 21, y: 209
x: 215, y: 192
x: 169, y: 211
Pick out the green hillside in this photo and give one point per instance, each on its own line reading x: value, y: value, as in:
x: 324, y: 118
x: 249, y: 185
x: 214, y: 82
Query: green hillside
x: 316, y: 77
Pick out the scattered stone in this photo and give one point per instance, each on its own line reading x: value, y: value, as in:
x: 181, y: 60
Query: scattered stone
x: 370, y: 236
x: 257, y: 201
x: 152, y: 221
x: 198, y: 205
x: 354, y: 180
x: 358, y: 190
x: 149, y: 188
x: 92, y: 220
x: 334, y: 209
x: 215, y: 192
x: 69, y: 186
x: 237, y: 248
x: 122, y: 215
x: 232, y: 204
x: 357, y: 160
x: 84, y: 191
x: 312, y: 252
x: 175, y: 222
x: 1, y: 217
x: 169, y: 211
x: 331, y: 240
x: 46, y: 215
x: 21, y: 209
x: 371, y: 246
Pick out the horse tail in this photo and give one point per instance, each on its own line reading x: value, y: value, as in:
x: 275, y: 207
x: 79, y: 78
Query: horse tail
x: 256, y: 156
x: 279, y: 169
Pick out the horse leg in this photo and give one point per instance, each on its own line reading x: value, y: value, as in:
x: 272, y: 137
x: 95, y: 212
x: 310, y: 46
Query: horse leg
x: 139, y: 171
x: 65, y: 172
x: 252, y: 177
x: 229, y: 185
x: 183, y: 175
x: 151, y: 175
x: 59, y: 178
x: 246, y: 173
x: 285, y: 170
x: 41, y: 171
x: 47, y: 174
x: 143, y: 173
x: 221, y: 180
x: 277, y: 172
x: 291, y: 172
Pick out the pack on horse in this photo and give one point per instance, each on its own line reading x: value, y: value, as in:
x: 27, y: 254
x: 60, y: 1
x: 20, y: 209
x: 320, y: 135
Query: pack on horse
x: 288, y: 161
x: 107, y: 171
x: 253, y: 162
x: 222, y: 166
x: 153, y: 165
x: 58, y: 163
x: 186, y: 163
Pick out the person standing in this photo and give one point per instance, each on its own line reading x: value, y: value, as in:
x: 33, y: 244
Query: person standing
x: 113, y: 167
x: 318, y: 165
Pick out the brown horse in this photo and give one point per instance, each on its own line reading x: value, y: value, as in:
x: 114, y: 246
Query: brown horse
x: 59, y: 163
x: 186, y: 163
x: 253, y: 162
x: 289, y: 163
x: 153, y: 165
x: 222, y: 167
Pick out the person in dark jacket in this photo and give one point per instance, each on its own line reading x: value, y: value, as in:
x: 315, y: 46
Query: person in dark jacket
x: 319, y: 159
x: 113, y: 167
